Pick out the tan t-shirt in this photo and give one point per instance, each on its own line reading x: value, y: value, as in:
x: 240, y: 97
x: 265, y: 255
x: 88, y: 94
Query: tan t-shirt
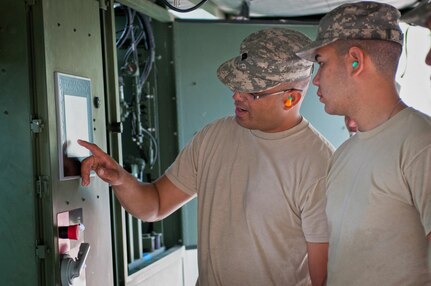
x: 260, y: 198
x: 379, y: 205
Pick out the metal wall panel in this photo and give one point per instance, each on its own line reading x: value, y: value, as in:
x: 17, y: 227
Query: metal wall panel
x: 68, y: 40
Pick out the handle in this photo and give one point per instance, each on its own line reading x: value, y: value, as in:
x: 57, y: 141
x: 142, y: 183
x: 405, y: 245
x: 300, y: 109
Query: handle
x: 84, y: 248
x: 71, y: 268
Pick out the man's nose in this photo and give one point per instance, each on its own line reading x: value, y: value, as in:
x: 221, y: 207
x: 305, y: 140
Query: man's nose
x: 428, y: 58
x: 238, y: 95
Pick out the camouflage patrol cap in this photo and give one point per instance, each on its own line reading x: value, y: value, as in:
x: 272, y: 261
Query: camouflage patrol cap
x: 419, y: 15
x: 267, y: 59
x: 356, y: 21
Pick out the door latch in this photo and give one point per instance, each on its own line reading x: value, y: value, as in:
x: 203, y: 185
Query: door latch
x: 71, y: 268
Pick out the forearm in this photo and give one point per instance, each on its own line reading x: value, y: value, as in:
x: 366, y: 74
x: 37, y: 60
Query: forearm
x: 139, y: 199
x: 318, y: 275
x: 317, y: 262
x: 149, y: 201
x: 146, y: 201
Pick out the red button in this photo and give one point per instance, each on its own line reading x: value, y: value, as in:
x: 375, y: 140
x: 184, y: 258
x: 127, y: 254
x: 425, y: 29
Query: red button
x: 69, y: 232
x: 73, y: 232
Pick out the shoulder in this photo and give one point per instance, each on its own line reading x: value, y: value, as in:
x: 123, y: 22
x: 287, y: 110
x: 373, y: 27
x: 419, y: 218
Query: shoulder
x: 417, y: 138
x: 218, y: 129
x: 318, y: 142
x: 224, y: 121
x: 421, y: 121
x: 405, y: 136
x: 219, y: 125
x: 415, y: 127
x: 312, y: 152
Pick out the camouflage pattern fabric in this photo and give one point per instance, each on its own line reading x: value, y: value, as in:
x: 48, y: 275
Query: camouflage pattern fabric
x: 419, y: 15
x: 267, y: 59
x: 356, y: 21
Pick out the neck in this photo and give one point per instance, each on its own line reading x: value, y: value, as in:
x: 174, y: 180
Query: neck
x: 292, y: 121
x: 376, y: 102
x: 395, y: 109
x: 379, y: 114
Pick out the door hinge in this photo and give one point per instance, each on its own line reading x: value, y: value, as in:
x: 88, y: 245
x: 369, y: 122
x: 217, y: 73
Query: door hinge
x: 41, y: 251
x: 41, y: 186
x: 104, y: 4
x: 29, y: 2
x: 36, y: 125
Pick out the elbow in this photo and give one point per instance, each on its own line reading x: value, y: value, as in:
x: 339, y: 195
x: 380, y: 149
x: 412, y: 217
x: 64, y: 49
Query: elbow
x: 149, y: 216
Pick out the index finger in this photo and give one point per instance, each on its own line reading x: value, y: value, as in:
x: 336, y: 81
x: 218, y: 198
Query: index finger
x: 94, y: 149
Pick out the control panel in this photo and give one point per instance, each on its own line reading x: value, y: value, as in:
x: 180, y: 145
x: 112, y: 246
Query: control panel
x: 72, y: 248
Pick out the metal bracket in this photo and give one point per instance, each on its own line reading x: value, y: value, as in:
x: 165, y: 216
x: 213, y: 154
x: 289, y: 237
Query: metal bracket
x: 104, y: 4
x: 41, y: 251
x: 36, y: 125
x: 29, y: 2
x: 42, y: 186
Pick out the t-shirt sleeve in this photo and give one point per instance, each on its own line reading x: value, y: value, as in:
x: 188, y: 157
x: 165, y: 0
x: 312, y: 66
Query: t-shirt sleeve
x: 418, y: 176
x: 183, y: 171
x: 313, y: 215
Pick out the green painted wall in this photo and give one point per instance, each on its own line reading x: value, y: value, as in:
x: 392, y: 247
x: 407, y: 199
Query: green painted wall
x: 18, y: 231
x: 199, y: 49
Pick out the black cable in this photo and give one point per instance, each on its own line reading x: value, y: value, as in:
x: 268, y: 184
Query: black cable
x: 183, y: 10
x: 141, y: 33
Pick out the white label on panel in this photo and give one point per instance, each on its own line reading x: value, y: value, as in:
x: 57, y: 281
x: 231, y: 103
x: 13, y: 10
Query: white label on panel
x: 76, y: 110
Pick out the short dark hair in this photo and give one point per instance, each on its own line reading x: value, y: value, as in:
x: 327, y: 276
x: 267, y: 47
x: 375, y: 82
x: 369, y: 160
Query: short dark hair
x: 384, y: 54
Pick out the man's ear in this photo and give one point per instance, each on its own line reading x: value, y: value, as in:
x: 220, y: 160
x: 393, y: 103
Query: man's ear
x: 292, y: 98
x: 355, y: 60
